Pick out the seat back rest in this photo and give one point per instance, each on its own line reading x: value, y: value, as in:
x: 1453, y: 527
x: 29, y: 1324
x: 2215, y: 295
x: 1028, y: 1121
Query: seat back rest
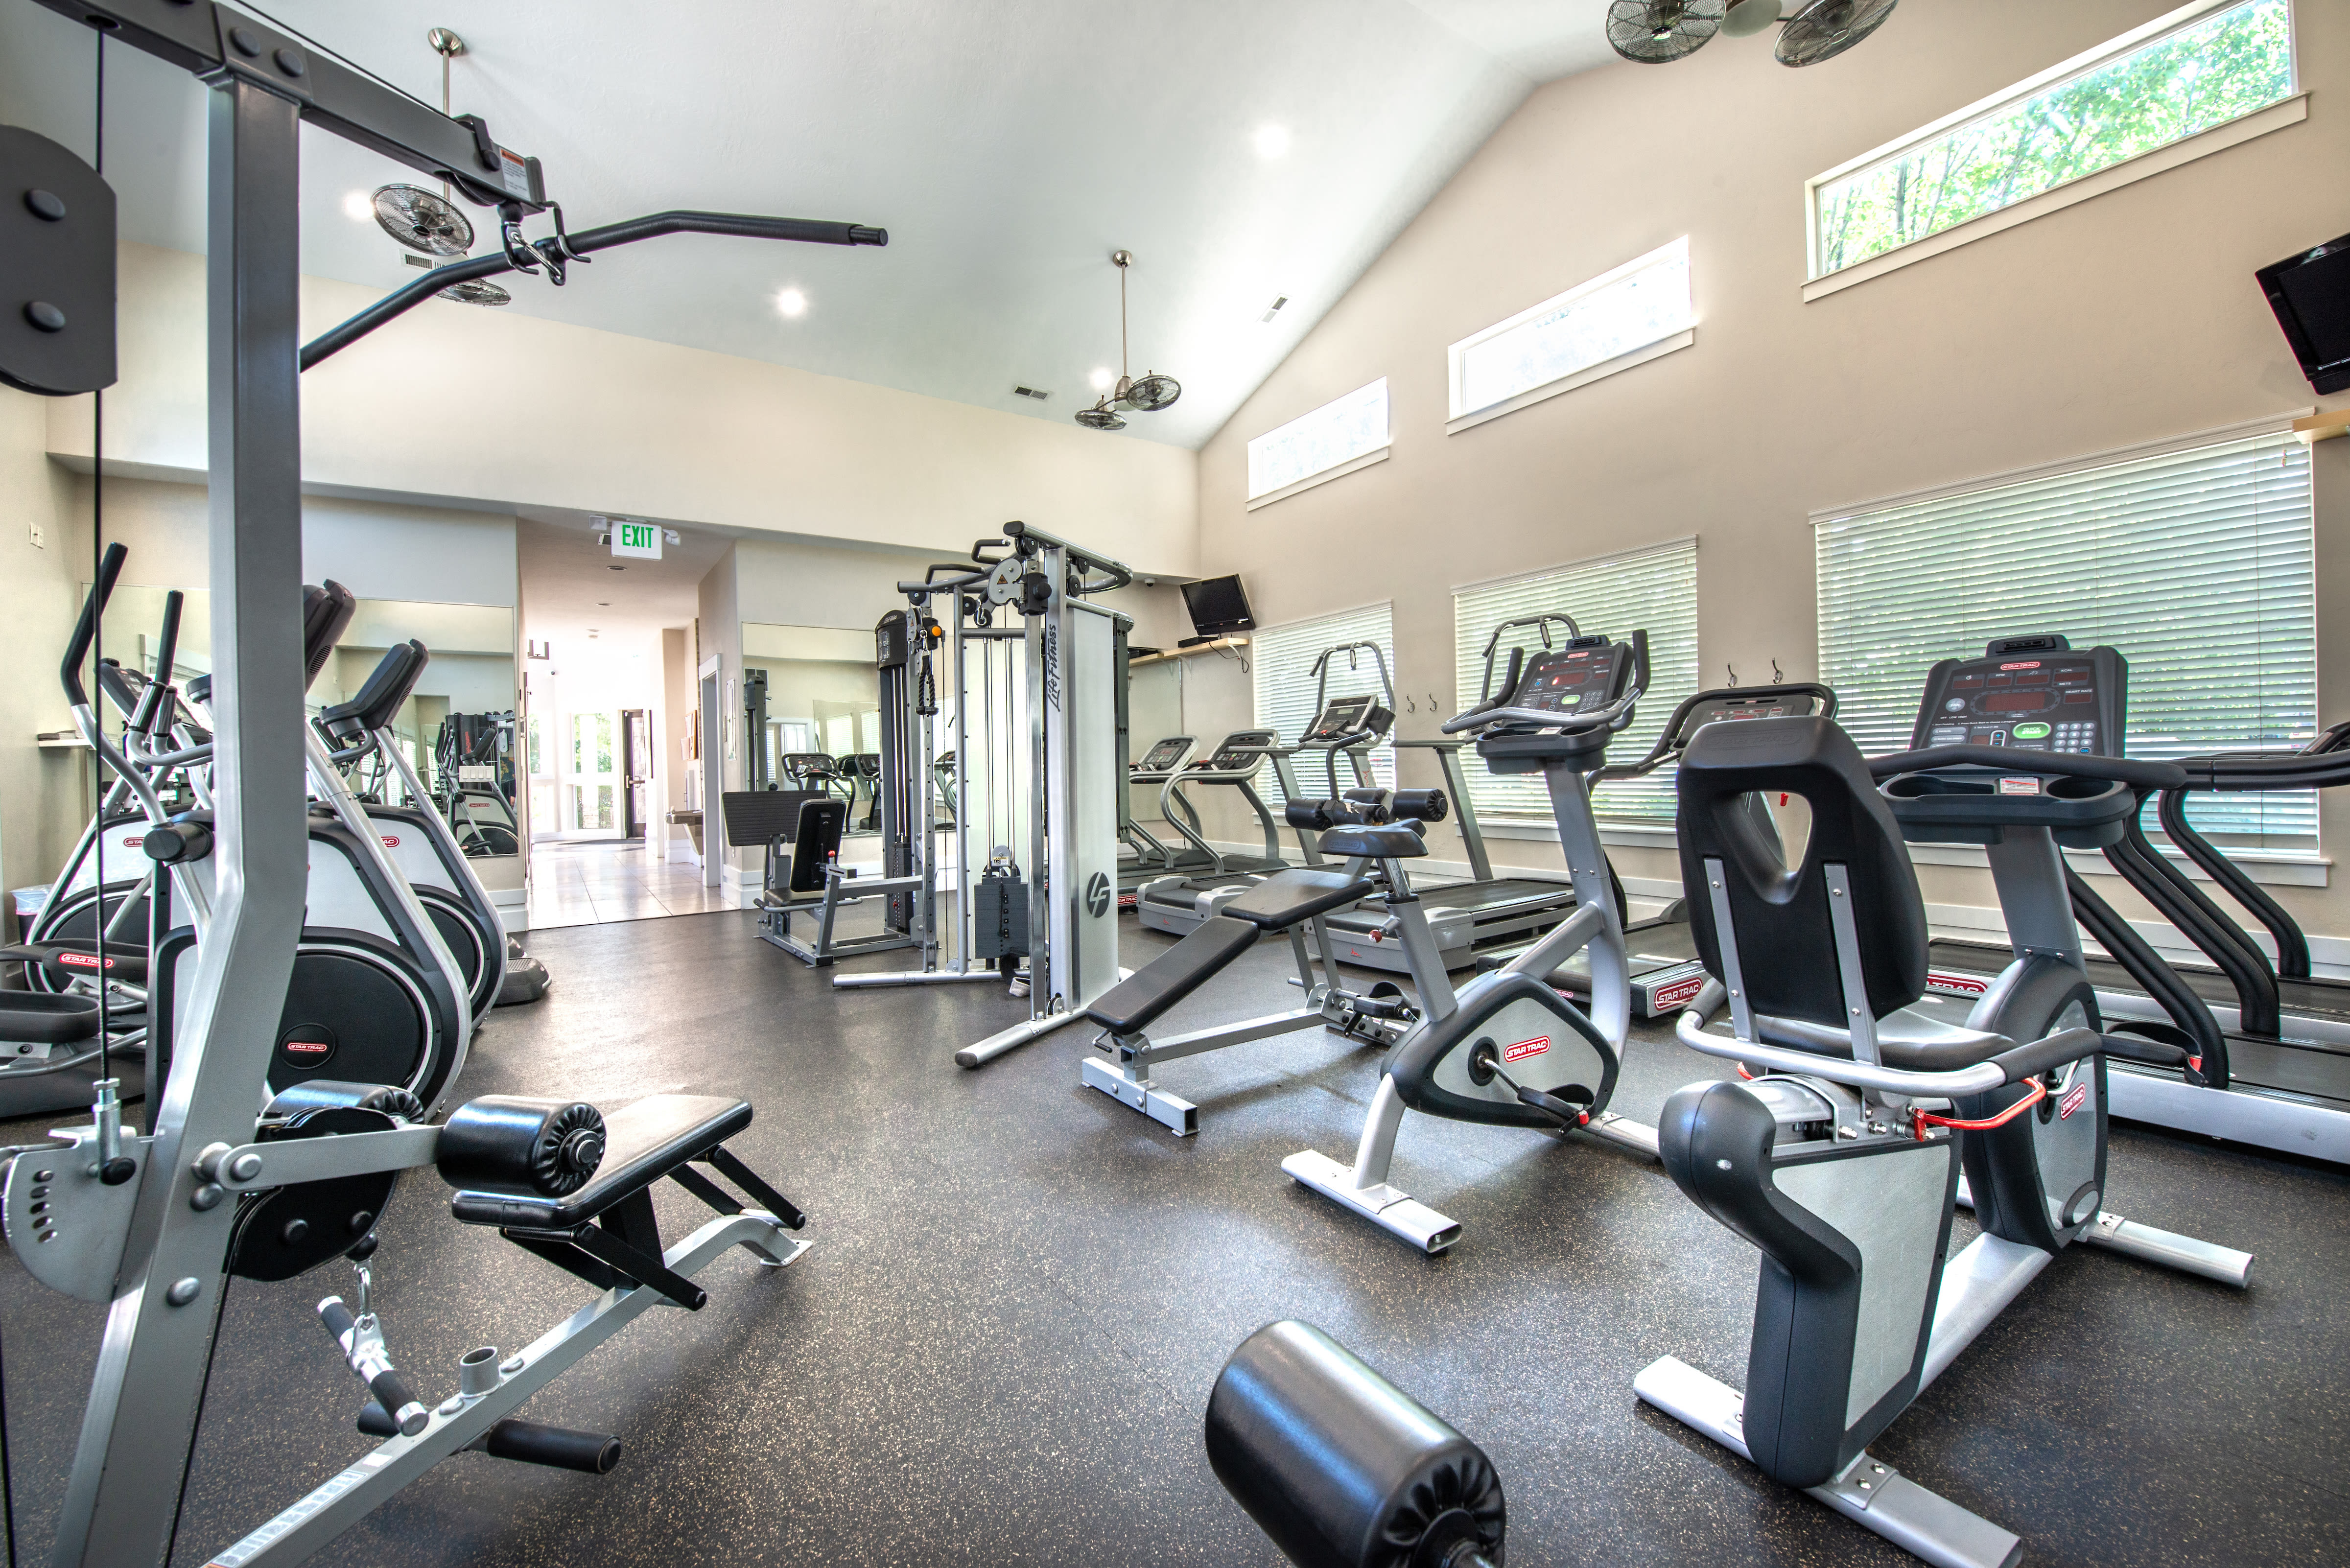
x: 327, y: 612
x: 1786, y: 944
x: 1392, y: 841
x: 387, y: 688
x: 1285, y: 898
x: 816, y: 841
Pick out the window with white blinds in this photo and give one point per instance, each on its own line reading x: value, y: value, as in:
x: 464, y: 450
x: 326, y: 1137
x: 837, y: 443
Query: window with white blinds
x: 1653, y: 591
x: 1283, y: 662
x: 2196, y: 565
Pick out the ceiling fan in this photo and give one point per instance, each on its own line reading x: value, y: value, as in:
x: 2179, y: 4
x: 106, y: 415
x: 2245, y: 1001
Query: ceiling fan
x: 432, y: 225
x: 1657, y: 32
x: 1146, y: 396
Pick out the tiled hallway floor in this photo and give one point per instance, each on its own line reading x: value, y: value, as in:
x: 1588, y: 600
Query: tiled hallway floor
x: 588, y: 882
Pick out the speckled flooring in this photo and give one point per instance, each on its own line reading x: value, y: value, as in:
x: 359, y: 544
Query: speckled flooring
x: 1000, y: 1345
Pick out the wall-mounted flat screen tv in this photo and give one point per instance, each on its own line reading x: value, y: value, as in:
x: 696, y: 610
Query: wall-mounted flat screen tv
x: 2311, y: 296
x: 1219, y: 608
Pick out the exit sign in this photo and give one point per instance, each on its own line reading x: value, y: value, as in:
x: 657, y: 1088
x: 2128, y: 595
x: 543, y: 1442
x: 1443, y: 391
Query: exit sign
x: 642, y: 540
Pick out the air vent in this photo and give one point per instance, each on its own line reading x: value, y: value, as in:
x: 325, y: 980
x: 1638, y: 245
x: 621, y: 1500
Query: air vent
x: 1275, y: 308
x: 1030, y: 393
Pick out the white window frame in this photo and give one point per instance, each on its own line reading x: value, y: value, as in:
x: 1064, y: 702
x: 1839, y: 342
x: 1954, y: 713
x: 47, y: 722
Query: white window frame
x: 1338, y: 470
x: 2289, y: 110
x: 1456, y: 356
x: 1267, y: 644
x: 2269, y: 866
x: 1493, y: 812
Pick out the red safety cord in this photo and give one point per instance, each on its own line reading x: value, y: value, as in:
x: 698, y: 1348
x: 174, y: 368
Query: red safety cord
x: 1920, y: 1120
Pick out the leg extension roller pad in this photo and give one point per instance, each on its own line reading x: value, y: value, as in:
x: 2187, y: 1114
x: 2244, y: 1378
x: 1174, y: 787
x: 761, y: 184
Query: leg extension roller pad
x: 1869, y: 1492
x: 1341, y: 1468
x: 1389, y: 1208
x: 1179, y: 1116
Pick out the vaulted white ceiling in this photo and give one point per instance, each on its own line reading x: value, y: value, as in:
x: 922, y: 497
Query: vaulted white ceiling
x: 1008, y: 147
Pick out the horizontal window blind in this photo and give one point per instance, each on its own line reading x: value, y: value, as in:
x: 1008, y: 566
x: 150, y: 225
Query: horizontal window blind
x: 2196, y: 565
x: 1654, y: 591
x: 1284, y: 663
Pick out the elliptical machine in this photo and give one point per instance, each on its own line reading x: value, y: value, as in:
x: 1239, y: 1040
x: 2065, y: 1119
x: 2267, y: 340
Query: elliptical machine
x: 1840, y: 1153
x: 1509, y: 1050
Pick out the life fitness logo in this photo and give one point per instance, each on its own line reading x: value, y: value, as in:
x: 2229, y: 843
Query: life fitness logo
x: 2074, y: 1101
x: 1675, y: 994
x: 1525, y: 1048
x: 1098, y: 895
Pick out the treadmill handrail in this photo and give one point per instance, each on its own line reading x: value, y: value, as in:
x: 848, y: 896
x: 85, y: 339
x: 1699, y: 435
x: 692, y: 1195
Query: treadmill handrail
x: 1614, y: 716
x: 2135, y: 771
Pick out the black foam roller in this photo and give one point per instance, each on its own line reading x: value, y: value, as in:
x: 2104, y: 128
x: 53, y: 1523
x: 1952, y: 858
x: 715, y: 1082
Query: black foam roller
x: 518, y: 1144
x: 320, y: 1093
x: 1423, y: 804
x: 1341, y: 1468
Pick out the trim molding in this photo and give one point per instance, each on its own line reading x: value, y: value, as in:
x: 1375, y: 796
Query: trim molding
x: 1583, y: 378
x: 1350, y: 466
x: 2202, y: 144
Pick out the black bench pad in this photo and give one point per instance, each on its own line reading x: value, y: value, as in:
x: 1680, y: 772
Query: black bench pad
x: 1285, y: 898
x: 37, y: 1018
x: 1392, y: 841
x: 1128, y: 1007
x: 642, y: 1143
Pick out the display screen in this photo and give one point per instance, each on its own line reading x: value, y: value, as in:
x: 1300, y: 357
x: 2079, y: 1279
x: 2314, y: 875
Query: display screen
x: 1567, y: 681
x: 2031, y: 704
x: 2311, y: 296
x: 2015, y: 702
x: 1219, y: 607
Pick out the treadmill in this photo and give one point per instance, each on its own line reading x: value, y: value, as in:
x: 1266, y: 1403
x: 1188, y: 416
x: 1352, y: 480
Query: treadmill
x: 1178, y: 903
x: 1152, y: 856
x: 2268, y: 1053
x: 1662, y: 949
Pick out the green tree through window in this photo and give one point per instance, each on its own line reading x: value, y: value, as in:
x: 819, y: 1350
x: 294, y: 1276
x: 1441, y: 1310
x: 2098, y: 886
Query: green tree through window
x: 2217, y: 69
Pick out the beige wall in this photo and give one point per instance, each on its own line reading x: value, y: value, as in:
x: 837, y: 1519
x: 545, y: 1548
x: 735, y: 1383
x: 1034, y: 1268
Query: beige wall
x: 461, y: 403
x: 43, y: 796
x: 2128, y: 318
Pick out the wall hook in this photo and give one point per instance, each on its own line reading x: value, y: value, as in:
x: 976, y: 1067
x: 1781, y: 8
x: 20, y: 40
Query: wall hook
x: 1776, y: 678
x: 1733, y: 672
x: 1432, y: 701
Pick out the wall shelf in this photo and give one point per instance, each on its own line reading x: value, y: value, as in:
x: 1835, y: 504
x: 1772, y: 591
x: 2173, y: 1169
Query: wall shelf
x: 1162, y: 656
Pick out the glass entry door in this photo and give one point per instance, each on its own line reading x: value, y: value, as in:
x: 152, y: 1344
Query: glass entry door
x: 591, y: 775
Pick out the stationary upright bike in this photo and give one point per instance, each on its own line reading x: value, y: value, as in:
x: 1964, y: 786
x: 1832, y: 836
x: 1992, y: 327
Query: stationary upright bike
x: 1508, y: 1049
x: 1839, y: 1151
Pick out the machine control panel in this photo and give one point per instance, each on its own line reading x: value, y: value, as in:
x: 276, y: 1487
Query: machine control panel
x: 1761, y: 705
x: 1164, y: 756
x: 1241, y: 752
x: 1578, y: 679
x: 1349, y: 716
x: 2032, y: 693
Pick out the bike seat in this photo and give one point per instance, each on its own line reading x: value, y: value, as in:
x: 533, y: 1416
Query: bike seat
x: 1394, y: 841
x: 37, y: 1018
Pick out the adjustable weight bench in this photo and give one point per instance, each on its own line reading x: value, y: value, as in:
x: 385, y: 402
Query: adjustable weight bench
x: 1287, y: 901
x: 503, y: 1154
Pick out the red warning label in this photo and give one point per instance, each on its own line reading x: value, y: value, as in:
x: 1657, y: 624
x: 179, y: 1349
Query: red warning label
x: 2074, y: 1101
x: 1525, y: 1048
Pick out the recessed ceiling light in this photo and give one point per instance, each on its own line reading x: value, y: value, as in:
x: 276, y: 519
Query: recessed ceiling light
x: 1272, y: 140
x: 359, y: 207
x: 1103, y: 379
x: 792, y: 302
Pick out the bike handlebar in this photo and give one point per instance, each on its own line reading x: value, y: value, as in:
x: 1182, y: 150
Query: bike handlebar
x: 2136, y: 773
x: 109, y: 568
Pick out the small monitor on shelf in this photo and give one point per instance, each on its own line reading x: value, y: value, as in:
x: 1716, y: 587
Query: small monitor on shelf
x: 1219, y: 608
x: 2311, y: 296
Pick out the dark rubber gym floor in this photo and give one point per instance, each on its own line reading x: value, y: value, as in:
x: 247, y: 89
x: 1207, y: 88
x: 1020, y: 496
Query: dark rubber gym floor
x: 1020, y: 1292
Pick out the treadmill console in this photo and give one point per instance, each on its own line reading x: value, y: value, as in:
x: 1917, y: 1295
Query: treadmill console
x: 1720, y: 705
x: 1347, y: 718
x: 1163, y: 757
x: 2033, y: 693
x: 1242, y: 750
x: 1587, y: 675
